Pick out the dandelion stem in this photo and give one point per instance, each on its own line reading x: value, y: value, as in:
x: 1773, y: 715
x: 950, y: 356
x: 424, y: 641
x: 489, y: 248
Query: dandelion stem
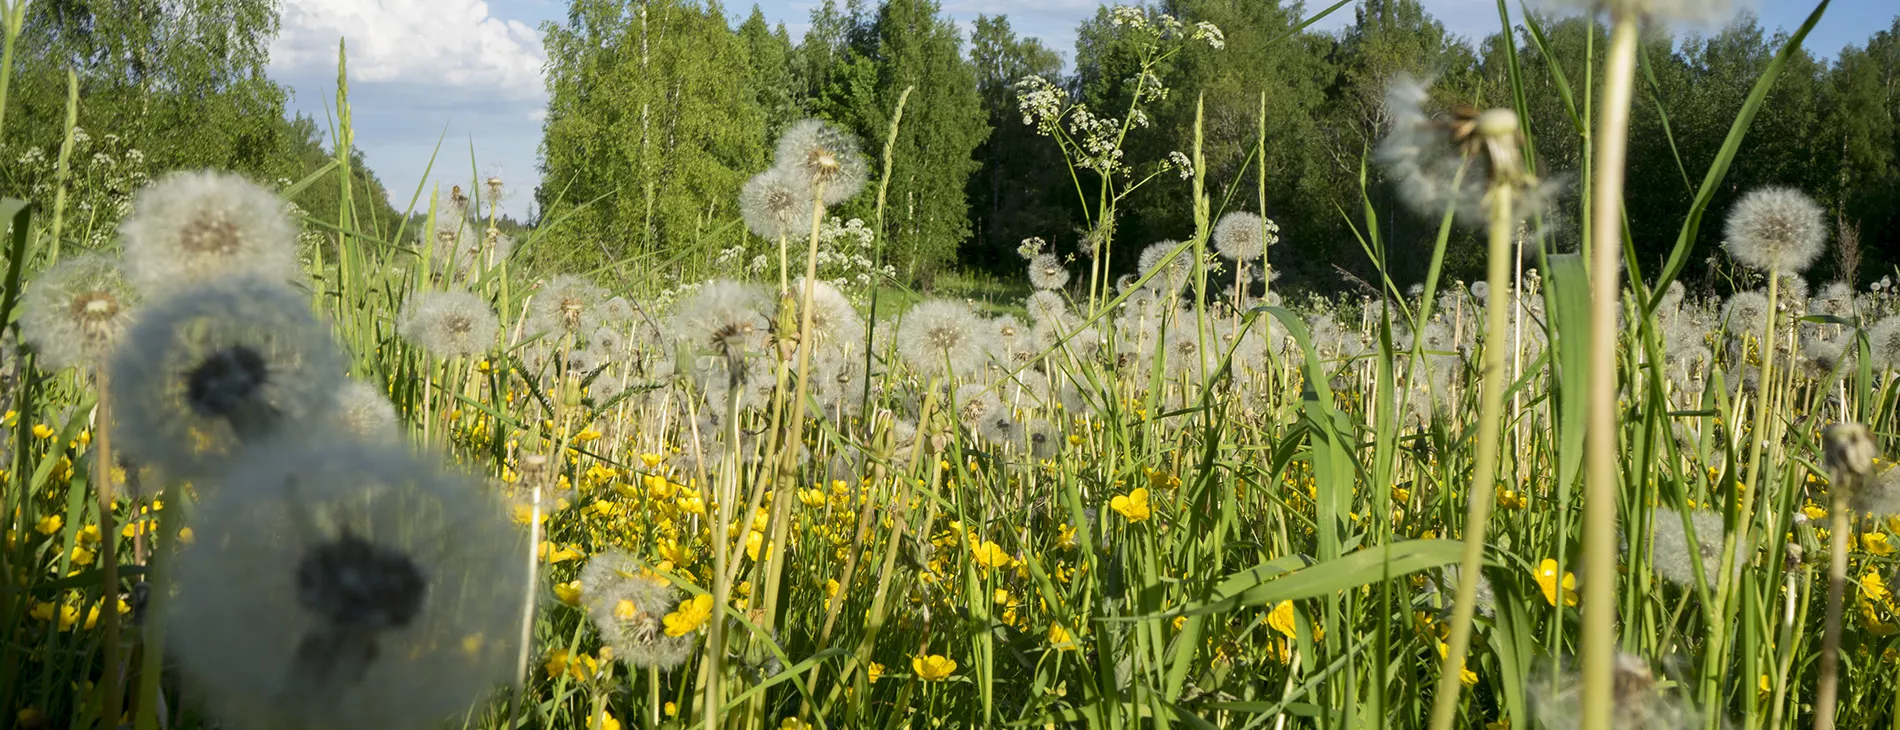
x: 1841, y: 528
x: 108, y: 554
x: 1600, y: 478
x: 1483, y: 484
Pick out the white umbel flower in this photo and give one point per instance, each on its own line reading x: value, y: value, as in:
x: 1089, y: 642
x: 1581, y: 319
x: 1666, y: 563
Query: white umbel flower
x: 74, y: 313
x: 194, y: 226
x: 339, y: 584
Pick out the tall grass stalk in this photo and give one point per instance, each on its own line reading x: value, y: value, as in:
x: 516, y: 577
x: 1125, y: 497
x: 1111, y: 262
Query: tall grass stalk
x: 1600, y: 470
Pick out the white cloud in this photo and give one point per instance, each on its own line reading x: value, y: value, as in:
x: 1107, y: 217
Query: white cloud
x: 455, y: 43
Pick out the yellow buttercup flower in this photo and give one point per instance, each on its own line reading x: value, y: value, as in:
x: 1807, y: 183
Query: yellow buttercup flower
x: 873, y: 671
x: 991, y: 555
x: 933, y: 667
x: 1546, y: 575
x: 1466, y: 677
x: 1060, y: 639
x: 50, y: 524
x: 691, y: 614
x: 1133, y: 505
x: 1876, y: 543
x: 42, y: 431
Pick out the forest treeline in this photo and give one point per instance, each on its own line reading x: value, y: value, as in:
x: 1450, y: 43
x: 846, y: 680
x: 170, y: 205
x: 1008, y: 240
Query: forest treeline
x: 659, y: 110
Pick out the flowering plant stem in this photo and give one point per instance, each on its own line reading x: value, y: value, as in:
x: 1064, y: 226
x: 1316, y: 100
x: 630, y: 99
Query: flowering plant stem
x: 1600, y: 477
x: 1840, y: 530
x: 108, y: 555
x: 1484, y: 478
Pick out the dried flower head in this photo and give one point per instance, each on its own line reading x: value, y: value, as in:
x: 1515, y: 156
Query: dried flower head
x: 206, y: 370
x: 1776, y: 229
x: 449, y: 324
x: 773, y: 202
x: 74, y: 313
x: 341, y: 584
x: 815, y: 152
x: 191, y: 227
x: 628, y: 604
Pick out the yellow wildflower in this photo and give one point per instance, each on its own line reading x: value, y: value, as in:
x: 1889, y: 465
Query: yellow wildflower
x: 50, y: 524
x: 1060, y: 639
x: 691, y: 614
x: 1133, y: 505
x: 873, y: 672
x: 569, y: 593
x: 42, y: 431
x: 933, y: 667
x: 1466, y: 677
x: 1546, y: 575
x: 1876, y: 543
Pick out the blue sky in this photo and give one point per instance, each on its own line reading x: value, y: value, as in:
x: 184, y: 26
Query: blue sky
x: 467, y: 74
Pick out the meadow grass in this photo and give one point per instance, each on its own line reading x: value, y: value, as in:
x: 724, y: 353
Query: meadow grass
x: 746, y: 505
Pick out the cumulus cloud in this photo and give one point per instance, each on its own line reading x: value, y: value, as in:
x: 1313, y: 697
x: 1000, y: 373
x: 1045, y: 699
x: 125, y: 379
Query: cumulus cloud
x: 456, y: 43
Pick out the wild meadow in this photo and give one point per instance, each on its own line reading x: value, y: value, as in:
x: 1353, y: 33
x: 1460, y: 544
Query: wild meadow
x: 264, y: 469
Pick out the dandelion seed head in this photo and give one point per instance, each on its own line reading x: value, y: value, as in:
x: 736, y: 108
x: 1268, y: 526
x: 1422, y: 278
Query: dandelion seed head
x: 1243, y: 236
x: 833, y: 319
x: 773, y: 202
x: 337, y: 584
x: 1437, y: 165
x: 1883, y: 341
x: 939, y: 333
x: 627, y: 605
x: 723, y: 317
x: 1046, y: 272
x: 1177, y: 270
x: 566, y: 305
x: 75, y: 312
x: 1046, y: 305
x: 190, y: 227
x: 449, y: 324
x: 207, y: 369
x: 1671, y: 552
x: 363, y: 411
x: 815, y: 152
x: 1776, y: 229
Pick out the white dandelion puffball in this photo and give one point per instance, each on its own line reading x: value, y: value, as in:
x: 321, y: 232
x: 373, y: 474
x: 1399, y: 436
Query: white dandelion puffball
x: 1776, y: 229
x: 449, y: 324
x: 364, y: 412
x: 1046, y: 272
x: 75, y: 312
x: 207, y: 370
x: 1670, y: 549
x: 815, y: 152
x: 1884, y: 343
x: 943, y: 337
x: 628, y: 606
x: 340, y: 584
x: 1242, y: 236
x: 723, y: 317
x: 566, y: 305
x: 193, y: 226
x: 833, y: 320
x: 773, y: 202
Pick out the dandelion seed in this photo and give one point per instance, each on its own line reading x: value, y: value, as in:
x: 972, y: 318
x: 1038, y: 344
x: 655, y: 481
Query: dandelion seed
x: 1883, y: 341
x: 75, y: 313
x: 449, y: 324
x: 817, y: 152
x: 1776, y: 229
x: 1639, y: 702
x: 628, y: 605
x: 341, y: 584
x: 191, y: 227
x: 208, y: 369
